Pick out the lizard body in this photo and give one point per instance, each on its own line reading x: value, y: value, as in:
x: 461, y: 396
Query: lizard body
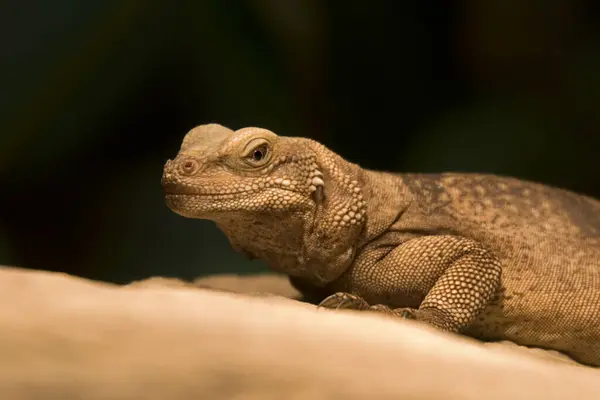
x: 491, y: 257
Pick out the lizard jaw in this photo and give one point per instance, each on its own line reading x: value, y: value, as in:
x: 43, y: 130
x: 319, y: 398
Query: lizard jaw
x: 215, y: 206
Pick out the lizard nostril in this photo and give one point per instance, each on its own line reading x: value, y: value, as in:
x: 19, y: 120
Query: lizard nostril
x: 189, y: 167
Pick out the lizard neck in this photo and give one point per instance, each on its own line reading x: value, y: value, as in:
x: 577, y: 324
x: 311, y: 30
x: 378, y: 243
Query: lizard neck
x: 359, y: 206
x: 375, y: 199
x: 334, y: 230
x: 387, y: 199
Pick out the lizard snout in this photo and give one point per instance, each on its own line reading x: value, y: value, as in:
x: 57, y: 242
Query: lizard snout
x: 174, y: 171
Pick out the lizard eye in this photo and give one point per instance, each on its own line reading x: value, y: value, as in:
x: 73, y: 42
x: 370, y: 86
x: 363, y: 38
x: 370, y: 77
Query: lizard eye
x: 257, y: 153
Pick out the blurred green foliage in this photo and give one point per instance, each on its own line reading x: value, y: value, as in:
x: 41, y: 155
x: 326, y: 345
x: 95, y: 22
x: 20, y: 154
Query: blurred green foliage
x: 97, y: 95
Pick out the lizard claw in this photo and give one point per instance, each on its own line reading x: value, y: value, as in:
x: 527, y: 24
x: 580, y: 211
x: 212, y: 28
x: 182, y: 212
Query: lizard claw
x: 343, y: 300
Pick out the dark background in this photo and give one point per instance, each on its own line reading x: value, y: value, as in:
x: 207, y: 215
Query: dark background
x: 97, y: 95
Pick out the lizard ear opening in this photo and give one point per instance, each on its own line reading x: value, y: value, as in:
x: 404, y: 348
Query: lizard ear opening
x: 318, y: 195
x: 317, y: 186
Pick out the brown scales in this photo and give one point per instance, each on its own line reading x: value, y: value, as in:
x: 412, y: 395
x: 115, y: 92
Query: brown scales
x: 491, y: 257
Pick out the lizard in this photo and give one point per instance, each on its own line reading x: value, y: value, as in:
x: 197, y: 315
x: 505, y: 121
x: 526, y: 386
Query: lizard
x: 482, y: 255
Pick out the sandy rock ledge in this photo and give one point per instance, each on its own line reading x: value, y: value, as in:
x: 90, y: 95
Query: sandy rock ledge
x: 68, y: 338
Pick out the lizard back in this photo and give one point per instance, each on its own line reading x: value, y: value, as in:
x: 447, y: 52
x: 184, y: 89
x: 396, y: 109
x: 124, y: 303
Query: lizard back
x: 548, y: 241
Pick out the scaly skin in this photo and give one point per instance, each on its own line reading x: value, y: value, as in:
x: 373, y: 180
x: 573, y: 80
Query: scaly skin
x: 491, y: 257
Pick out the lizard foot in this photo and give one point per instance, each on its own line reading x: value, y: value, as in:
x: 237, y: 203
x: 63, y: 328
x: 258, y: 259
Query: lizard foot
x: 432, y: 317
x: 348, y: 301
x: 406, y: 313
x: 343, y: 300
x: 428, y: 316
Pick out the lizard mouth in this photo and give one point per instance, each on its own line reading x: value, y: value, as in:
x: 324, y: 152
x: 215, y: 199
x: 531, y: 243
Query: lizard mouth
x: 172, y: 189
x: 230, y: 195
x: 198, y: 205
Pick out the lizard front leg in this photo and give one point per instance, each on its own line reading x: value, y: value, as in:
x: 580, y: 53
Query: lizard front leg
x: 454, y: 277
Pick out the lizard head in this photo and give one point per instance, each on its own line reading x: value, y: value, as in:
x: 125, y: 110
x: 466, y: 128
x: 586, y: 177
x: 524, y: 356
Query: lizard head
x: 289, y: 201
x: 219, y: 172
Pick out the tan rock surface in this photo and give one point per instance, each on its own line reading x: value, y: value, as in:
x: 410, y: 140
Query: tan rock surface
x: 68, y: 338
x: 270, y: 284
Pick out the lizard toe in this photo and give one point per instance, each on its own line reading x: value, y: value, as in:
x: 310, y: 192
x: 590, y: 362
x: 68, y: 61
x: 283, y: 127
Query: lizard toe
x: 342, y: 300
x: 381, y: 308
